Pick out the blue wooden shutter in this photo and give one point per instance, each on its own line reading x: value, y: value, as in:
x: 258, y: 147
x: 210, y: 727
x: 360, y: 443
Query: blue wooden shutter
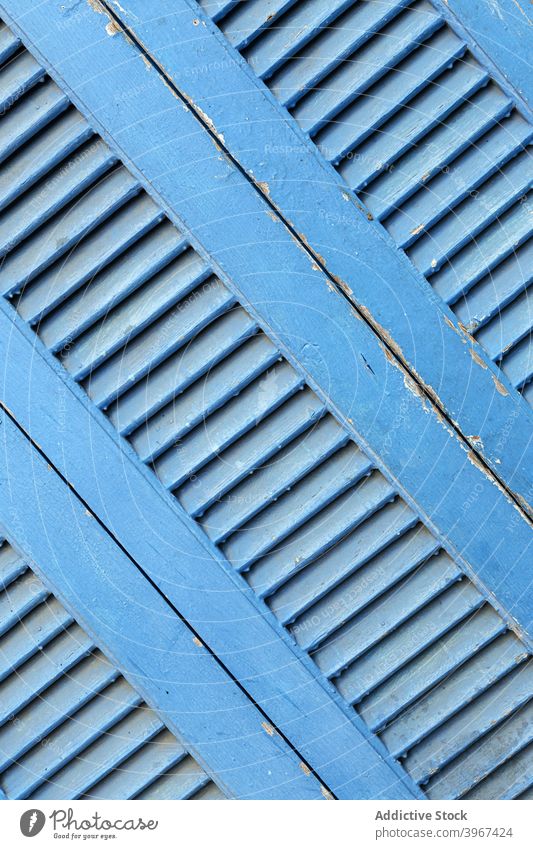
x: 71, y: 726
x: 413, y: 122
x: 249, y: 393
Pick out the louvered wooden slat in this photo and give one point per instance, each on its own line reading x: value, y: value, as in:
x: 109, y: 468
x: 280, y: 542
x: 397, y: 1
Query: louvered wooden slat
x: 9, y: 43
x: 392, y: 689
x: 411, y: 595
x: 21, y: 596
x: 500, y: 657
x: 440, y: 147
x: 416, y: 125
x: 357, y: 74
x: 508, y: 328
x: 40, y: 671
x: 12, y: 565
x: 367, y: 584
x: 31, y: 634
x: 409, y: 126
x: 58, y: 236
x: 496, y: 749
x: 131, y: 777
x: 183, y: 781
x: 102, y: 246
x: 244, y: 21
x: 510, y: 781
x: 203, y: 398
x: 472, y: 216
x: 270, y: 482
x: 498, y: 288
x: 218, y: 8
x: 68, y: 718
x: 19, y: 75
x: 227, y: 425
x: 281, y: 41
x: 518, y: 363
x: 52, y: 707
x: 330, y: 47
x: 315, y: 492
x: 382, y: 100
x: 112, y: 284
x: 471, y: 170
x: 493, y: 246
x: 163, y: 346
x: 294, y: 417
x: 40, y: 156
x: 30, y: 115
x: 175, y: 374
x: 346, y: 558
x: 297, y: 506
x: 208, y: 793
x: 320, y: 533
x: 160, y: 299
x: 36, y: 769
x: 423, y: 627
x: 470, y: 724
x: 57, y: 189
x: 102, y: 756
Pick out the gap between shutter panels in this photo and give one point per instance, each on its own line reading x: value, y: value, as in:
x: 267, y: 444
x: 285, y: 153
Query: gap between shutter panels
x: 71, y: 727
x: 229, y: 426
x: 416, y: 127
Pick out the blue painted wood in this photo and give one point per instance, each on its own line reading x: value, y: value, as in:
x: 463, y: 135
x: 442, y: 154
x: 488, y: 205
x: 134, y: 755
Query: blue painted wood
x: 41, y: 250
x: 502, y: 31
x: 361, y: 409
x: 362, y: 118
x: 193, y: 575
x: 493, y: 707
x: 432, y: 106
x: 26, y: 118
x: 501, y: 656
x: 41, y: 626
x: 22, y: 73
x: 166, y: 666
x: 495, y: 750
x: 39, y: 157
x: 421, y: 627
x: 471, y: 390
x: 354, y: 29
x: 425, y: 670
x: 346, y: 82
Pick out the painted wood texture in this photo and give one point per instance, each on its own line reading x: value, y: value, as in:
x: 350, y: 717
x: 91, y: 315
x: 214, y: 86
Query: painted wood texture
x: 176, y: 555
x: 70, y: 725
x: 277, y: 301
x: 135, y: 627
x: 323, y: 480
x: 503, y: 31
x: 323, y: 210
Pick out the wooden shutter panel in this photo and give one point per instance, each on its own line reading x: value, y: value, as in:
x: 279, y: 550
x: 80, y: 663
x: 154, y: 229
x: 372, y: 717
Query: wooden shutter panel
x: 432, y: 146
x: 239, y: 427
x: 72, y: 727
